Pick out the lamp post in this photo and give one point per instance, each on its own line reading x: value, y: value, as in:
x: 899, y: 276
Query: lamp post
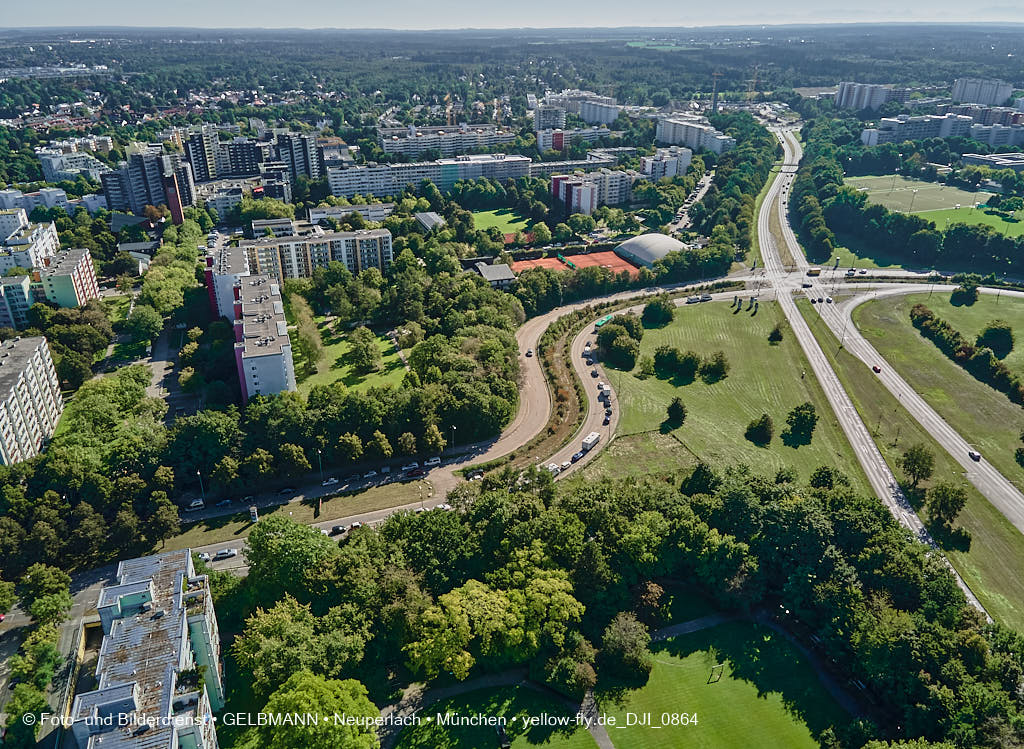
x: 320, y: 462
x: 453, y: 436
x: 912, y: 196
x: 202, y: 491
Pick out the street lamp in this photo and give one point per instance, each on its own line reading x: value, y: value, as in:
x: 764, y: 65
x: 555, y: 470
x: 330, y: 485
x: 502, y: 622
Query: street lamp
x: 453, y: 435
x: 202, y: 491
x: 320, y: 461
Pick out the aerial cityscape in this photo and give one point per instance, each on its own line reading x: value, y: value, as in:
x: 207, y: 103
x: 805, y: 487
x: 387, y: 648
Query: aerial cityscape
x: 624, y: 385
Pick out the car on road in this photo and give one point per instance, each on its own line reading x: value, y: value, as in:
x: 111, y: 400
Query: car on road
x: 974, y: 455
x: 863, y: 271
x: 443, y: 506
x: 224, y: 503
x: 876, y: 369
x: 821, y: 300
x: 203, y: 557
x: 410, y: 466
x: 813, y: 300
x: 225, y: 554
x: 355, y: 525
x: 607, y: 412
x: 705, y: 297
x: 607, y: 420
x: 828, y: 300
x: 195, y: 504
x: 386, y: 469
x: 435, y: 461
x: 329, y: 482
x: 576, y: 456
x: 594, y: 373
x: 338, y: 530
x: 851, y: 272
x: 287, y: 490
x: 566, y: 464
x: 529, y: 352
x: 415, y: 472
x: 248, y: 499
x: 806, y: 284
x: 370, y: 475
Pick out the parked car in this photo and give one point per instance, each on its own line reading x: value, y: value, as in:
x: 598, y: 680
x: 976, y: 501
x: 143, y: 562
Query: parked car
x: 224, y: 503
x: 529, y: 352
x: 577, y: 455
x: 203, y: 557
x: 813, y: 300
x: 329, y: 482
x: 248, y: 499
x: 594, y: 373
x: 607, y: 420
x: 416, y: 472
x: 705, y: 297
x: 974, y: 455
x: 435, y: 461
x: 287, y: 490
x: 863, y: 271
x: 195, y: 504
x: 820, y: 300
x: 225, y: 554
x: 607, y: 412
x: 411, y: 466
x: 337, y: 530
x: 355, y: 525
x: 566, y: 464
x: 806, y: 284
x: 370, y: 475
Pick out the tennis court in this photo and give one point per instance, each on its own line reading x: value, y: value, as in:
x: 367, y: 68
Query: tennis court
x: 898, y: 193
x: 605, y: 259
x: 518, y: 266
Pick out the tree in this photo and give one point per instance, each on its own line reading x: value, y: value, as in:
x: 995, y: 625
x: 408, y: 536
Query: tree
x: 308, y: 343
x: 676, y: 412
x: 407, y: 443
x: 801, y: 421
x: 658, y: 313
x: 365, y: 352
x: 433, y: 441
x: 379, y: 446
x: 7, y: 596
x: 25, y: 700
x: 625, y: 647
x: 144, y: 323
x: 776, y: 335
x: 350, y: 447
x: 623, y: 352
x: 292, y: 461
x: 541, y: 233
x: 998, y: 336
x: 646, y: 367
x: 760, y: 430
x: 945, y: 501
x: 281, y: 553
x: 305, y: 693
x: 715, y: 368
x: 917, y: 462
x: 40, y: 581
x: 165, y: 520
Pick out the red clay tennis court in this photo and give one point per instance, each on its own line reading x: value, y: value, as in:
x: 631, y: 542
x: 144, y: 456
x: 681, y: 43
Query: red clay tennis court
x: 606, y: 259
x: 554, y: 263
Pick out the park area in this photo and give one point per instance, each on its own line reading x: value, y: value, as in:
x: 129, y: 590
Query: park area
x: 337, y: 364
x: 763, y: 693
x: 991, y: 562
x: 763, y: 378
x: 506, y: 220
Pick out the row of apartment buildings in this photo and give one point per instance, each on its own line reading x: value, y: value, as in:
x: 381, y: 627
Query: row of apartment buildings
x: 557, y: 139
x: 447, y: 141
x: 583, y: 193
x: 667, y: 162
x: 985, y: 91
x: 392, y: 179
x: 906, y: 127
x: 150, y: 177
x: 50, y: 197
x: 694, y: 132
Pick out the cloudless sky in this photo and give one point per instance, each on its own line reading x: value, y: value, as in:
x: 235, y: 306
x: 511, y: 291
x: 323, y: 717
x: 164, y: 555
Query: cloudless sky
x: 449, y: 14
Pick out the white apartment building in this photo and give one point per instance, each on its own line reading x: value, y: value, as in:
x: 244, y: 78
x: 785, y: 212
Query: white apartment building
x: 693, y: 132
x: 998, y: 135
x: 989, y: 91
x: 58, y: 166
x: 28, y: 246
x: 369, y: 211
x: 50, y: 197
x: 263, y: 350
x: 31, y: 402
x: 448, y: 141
x: 862, y: 95
x: 571, y: 99
x: 299, y: 256
x: 548, y: 117
x: 583, y: 193
x: 158, y: 675
x: 667, y: 162
x: 599, y: 112
x: 392, y: 179
x: 904, y: 127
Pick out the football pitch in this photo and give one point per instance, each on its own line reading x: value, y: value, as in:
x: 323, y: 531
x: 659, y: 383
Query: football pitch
x: 913, y: 195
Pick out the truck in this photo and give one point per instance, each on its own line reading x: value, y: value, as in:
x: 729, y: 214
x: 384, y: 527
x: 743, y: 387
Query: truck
x: 590, y: 440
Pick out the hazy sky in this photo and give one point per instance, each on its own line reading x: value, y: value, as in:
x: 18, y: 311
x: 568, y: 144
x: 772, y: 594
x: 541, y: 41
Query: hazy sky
x: 447, y: 14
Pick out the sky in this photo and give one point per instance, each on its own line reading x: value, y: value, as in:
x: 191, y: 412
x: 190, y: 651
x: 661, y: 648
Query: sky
x: 453, y: 14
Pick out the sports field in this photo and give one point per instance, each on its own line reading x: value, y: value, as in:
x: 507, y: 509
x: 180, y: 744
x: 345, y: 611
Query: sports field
x: 1010, y: 225
x: 762, y: 379
x: 897, y: 193
x: 512, y: 703
x: 768, y: 694
x: 507, y: 220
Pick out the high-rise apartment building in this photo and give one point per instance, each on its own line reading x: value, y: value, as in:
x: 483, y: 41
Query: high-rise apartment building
x: 299, y: 152
x: 558, y: 140
x: 862, y: 95
x: 263, y: 350
x: 548, y: 117
x: 989, y: 91
x: 599, y: 112
x: 69, y: 279
x: 447, y: 141
x: 904, y: 127
x: 201, y: 151
x: 28, y: 245
x: 159, y: 678
x: 693, y: 132
x: 150, y: 177
x: 392, y: 179
x: 667, y: 162
x: 30, y: 400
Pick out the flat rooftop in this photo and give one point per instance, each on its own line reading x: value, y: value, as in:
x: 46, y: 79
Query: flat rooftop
x: 264, y: 328
x: 15, y: 355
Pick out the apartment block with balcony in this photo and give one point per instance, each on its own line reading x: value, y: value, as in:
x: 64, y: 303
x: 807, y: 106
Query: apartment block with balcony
x: 159, y: 677
x: 69, y: 279
x: 448, y: 141
x: 263, y: 350
x: 31, y: 402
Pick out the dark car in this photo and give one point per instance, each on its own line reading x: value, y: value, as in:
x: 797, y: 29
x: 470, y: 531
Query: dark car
x: 876, y: 369
x: 576, y: 456
x: 415, y: 472
x: 338, y: 529
x: 607, y: 420
x: 607, y: 412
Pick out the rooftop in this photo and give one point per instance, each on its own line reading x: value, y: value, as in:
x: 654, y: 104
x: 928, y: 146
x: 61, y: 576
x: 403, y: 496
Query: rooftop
x: 65, y: 262
x: 495, y: 273
x: 14, y: 357
x: 429, y: 219
x: 264, y: 328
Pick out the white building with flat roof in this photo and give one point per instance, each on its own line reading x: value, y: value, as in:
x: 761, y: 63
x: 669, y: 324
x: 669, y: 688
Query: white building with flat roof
x: 694, y: 133
x: 448, y: 141
x: 263, y: 350
x: 862, y: 95
x: 369, y: 211
x: 991, y: 91
x: 392, y: 179
x: 30, y: 399
x: 667, y: 162
x: 599, y: 112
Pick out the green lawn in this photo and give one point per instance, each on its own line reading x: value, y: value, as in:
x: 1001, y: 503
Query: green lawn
x: 898, y: 194
x: 513, y: 703
x: 982, y: 415
x: 768, y: 696
x: 853, y: 252
x: 337, y: 364
x: 506, y: 219
x: 117, y: 307
x: 991, y: 566
x: 237, y: 526
x: 763, y: 379
x: 1011, y: 226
